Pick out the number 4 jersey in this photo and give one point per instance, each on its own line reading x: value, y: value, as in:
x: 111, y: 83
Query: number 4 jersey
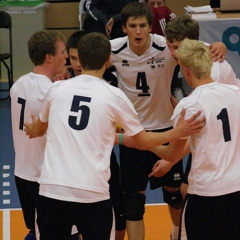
x: 215, y: 149
x: 146, y: 80
x: 27, y: 95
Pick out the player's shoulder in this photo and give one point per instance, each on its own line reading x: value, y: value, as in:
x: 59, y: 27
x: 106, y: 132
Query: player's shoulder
x: 118, y: 44
x: 158, y: 42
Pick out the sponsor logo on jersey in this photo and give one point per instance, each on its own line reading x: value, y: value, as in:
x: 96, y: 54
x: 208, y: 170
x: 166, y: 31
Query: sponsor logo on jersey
x: 176, y: 177
x: 156, y: 62
x: 125, y: 63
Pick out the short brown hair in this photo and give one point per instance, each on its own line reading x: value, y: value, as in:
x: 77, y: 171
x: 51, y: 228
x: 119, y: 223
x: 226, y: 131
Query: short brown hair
x: 94, y: 50
x: 182, y: 27
x: 136, y: 10
x: 42, y: 43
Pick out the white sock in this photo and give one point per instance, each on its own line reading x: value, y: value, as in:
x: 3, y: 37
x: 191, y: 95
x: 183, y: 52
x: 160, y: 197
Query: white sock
x: 174, y: 232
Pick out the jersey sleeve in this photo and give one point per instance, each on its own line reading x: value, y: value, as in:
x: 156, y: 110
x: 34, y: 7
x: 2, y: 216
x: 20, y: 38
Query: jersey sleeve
x: 127, y: 116
x: 227, y: 75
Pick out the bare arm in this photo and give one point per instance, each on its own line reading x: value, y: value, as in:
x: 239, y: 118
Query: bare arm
x: 35, y: 129
x: 172, y: 153
x: 147, y: 140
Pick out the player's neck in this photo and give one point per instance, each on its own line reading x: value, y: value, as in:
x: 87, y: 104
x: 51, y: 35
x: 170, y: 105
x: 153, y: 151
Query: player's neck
x: 203, y: 81
x: 94, y: 73
x: 40, y: 69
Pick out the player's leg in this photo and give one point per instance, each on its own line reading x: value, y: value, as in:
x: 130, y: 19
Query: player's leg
x: 204, y: 218
x: 171, y: 183
x: 232, y: 208
x: 134, y: 179
x: 55, y: 218
x: 116, y: 196
x: 97, y: 221
x: 172, y: 196
x: 28, y: 197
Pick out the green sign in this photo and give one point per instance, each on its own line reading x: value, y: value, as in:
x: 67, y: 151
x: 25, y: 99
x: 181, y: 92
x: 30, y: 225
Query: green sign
x: 10, y: 3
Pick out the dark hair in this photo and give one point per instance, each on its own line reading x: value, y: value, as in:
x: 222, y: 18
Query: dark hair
x: 73, y: 40
x: 42, y: 43
x: 136, y: 10
x: 94, y: 50
x: 182, y: 27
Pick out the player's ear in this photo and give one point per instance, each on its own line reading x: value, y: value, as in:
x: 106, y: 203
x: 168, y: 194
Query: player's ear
x: 107, y: 64
x: 124, y: 29
x: 150, y: 28
x: 49, y: 57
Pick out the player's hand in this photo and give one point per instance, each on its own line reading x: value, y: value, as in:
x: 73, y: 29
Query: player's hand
x: 63, y: 75
x: 109, y: 26
x: 189, y: 126
x: 29, y: 128
x: 219, y: 51
x: 160, y: 168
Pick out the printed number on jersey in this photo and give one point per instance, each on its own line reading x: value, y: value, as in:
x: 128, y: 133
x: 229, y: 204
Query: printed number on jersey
x: 223, y: 116
x: 76, y: 122
x: 23, y: 103
x: 141, y: 84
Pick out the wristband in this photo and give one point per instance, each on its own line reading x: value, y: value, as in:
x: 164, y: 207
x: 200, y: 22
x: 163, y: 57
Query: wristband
x: 120, y: 139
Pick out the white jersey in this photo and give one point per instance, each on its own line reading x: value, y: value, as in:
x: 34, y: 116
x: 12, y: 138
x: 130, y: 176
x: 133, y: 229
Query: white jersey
x: 27, y: 95
x: 215, y: 149
x: 223, y: 73
x: 80, y: 112
x: 146, y: 80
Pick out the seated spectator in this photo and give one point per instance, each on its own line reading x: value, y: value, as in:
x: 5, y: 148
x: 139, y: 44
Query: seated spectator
x: 104, y: 16
x: 162, y: 15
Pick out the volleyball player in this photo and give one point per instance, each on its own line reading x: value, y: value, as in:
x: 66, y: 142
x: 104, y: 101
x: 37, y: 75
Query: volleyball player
x: 47, y: 52
x: 212, y: 206
x: 144, y: 69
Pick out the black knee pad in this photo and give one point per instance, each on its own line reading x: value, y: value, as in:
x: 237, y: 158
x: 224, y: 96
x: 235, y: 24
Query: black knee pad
x: 173, y: 199
x: 134, y: 206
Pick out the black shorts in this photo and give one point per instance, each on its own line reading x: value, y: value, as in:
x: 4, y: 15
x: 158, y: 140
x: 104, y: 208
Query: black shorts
x: 136, y: 166
x: 211, y: 218
x: 55, y: 219
x: 28, y: 196
x: 116, y: 194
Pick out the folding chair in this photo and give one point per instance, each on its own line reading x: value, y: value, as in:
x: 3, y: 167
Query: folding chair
x: 82, y: 13
x: 6, y: 22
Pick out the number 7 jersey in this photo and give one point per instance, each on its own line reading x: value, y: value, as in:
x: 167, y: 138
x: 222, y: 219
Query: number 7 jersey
x: 146, y: 80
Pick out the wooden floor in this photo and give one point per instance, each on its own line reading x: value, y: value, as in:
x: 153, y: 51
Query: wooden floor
x: 157, y: 224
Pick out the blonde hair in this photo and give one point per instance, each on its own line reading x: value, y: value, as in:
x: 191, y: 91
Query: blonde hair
x: 194, y: 55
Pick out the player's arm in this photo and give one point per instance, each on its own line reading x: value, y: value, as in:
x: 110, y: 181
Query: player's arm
x: 65, y: 74
x: 35, y: 129
x: 171, y: 154
x: 147, y: 140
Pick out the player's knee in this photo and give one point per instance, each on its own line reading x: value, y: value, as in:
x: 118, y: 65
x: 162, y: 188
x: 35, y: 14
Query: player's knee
x: 134, y: 203
x: 173, y: 199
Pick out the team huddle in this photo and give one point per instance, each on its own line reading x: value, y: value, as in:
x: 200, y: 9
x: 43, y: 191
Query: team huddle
x: 66, y: 119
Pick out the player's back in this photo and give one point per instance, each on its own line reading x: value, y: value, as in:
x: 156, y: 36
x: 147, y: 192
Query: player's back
x: 81, y: 129
x: 27, y: 95
x: 215, y: 149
